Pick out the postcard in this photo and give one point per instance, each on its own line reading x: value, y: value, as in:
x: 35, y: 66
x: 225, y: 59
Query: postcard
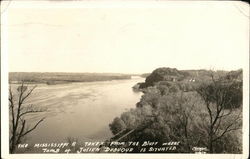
x: 124, y: 79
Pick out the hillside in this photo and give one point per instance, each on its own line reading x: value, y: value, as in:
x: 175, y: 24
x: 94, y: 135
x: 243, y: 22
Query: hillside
x: 186, y: 76
x: 164, y: 74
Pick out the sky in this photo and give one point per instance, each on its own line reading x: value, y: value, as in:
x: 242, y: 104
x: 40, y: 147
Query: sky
x: 194, y: 35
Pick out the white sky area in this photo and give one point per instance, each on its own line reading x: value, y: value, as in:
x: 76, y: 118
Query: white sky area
x: 194, y: 35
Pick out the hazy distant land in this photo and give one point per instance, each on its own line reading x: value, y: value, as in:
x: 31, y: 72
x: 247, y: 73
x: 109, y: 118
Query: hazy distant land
x: 62, y: 77
x: 69, y: 77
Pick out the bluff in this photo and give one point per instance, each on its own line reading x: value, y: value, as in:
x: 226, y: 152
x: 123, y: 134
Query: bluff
x: 164, y: 74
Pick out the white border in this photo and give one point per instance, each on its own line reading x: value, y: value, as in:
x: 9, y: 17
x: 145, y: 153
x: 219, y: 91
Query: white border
x: 4, y: 81
x: 98, y: 4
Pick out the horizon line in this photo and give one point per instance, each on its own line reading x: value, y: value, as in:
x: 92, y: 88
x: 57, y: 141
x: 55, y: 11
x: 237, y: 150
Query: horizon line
x: 121, y: 72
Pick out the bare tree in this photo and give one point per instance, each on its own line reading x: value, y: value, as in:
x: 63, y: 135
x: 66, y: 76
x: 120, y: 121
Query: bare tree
x: 222, y: 99
x: 18, y: 113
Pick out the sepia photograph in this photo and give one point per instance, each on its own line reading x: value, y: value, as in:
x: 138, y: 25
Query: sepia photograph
x: 153, y: 79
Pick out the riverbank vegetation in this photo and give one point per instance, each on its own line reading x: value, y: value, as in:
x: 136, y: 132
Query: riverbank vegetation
x: 197, y: 108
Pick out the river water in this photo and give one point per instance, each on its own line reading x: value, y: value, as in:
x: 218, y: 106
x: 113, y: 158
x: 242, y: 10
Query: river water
x: 81, y: 111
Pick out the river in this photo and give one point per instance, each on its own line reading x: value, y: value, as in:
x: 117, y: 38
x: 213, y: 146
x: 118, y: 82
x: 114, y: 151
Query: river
x: 81, y: 111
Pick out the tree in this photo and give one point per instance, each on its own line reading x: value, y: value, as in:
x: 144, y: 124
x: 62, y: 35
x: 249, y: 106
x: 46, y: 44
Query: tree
x: 159, y: 118
x: 164, y: 74
x: 207, y: 115
x: 117, y: 125
x: 19, y: 112
x: 222, y: 99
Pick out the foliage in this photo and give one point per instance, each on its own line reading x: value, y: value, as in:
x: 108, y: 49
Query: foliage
x: 164, y: 74
x: 200, y: 114
x: 117, y: 125
x: 221, y: 97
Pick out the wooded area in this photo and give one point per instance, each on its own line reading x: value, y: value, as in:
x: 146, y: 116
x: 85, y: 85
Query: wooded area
x: 182, y: 106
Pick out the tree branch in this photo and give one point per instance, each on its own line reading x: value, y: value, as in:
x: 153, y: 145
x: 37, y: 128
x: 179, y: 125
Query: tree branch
x: 21, y: 132
x: 31, y: 111
x: 228, y: 129
x: 31, y: 90
x: 12, y: 107
x: 22, y: 90
x: 33, y: 127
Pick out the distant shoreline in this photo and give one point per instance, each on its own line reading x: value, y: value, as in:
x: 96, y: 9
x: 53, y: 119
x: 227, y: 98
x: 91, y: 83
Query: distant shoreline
x: 64, y: 78
x: 66, y: 82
